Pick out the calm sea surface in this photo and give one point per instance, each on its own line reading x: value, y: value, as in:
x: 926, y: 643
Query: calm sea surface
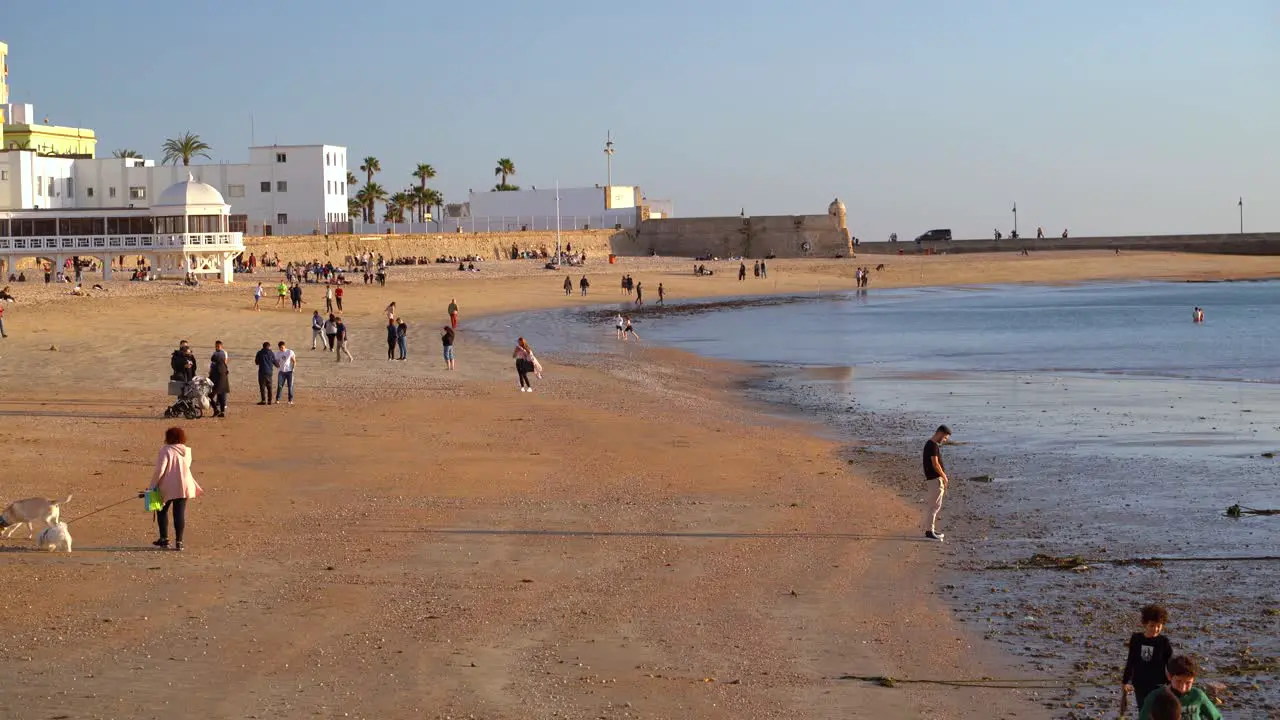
x: 1114, y: 426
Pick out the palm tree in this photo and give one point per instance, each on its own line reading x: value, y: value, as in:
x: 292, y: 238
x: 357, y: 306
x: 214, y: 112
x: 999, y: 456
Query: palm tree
x: 369, y: 167
x: 354, y: 208
x: 424, y: 172
x: 125, y: 153
x: 505, y: 168
x: 351, y: 178
x: 368, y: 195
x: 184, y: 148
x: 396, y: 205
x: 421, y: 197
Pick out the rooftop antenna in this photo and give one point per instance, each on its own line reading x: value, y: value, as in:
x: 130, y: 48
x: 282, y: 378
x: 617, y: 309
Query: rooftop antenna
x: 608, y: 153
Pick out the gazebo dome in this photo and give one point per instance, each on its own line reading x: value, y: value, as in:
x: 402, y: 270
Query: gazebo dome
x: 836, y: 207
x: 190, y: 192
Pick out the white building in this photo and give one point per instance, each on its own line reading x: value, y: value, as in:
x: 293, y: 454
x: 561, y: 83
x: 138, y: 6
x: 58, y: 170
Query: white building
x: 186, y: 230
x: 536, y: 209
x: 282, y: 190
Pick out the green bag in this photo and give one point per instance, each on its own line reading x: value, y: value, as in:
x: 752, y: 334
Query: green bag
x: 154, y: 500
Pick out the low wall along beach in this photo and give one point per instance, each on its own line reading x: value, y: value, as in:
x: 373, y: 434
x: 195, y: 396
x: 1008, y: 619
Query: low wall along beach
x: 490, y: 246
x: 1225, y: 244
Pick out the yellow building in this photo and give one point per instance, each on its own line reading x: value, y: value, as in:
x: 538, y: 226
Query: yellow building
x: 22, y: 132
x: 50, y: 139
x: 4, y: 87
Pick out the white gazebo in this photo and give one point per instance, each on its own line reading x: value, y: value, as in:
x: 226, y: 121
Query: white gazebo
x: 186, y: 231
x: 191, y: 223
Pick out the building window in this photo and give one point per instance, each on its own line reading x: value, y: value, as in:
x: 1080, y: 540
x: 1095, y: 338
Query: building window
x: 4, y: 174
x: 282, y: 219
x: 326, y: 159
x: 282, y: 186
x: 281, y: 157
x: 50, y: 187
x: 111, y: 192
x: 89, y: 191
x: 266, y: 186
x: 138, y: 192
x: 71, y: 187
x: 235, y: 191
x: 40, y: 185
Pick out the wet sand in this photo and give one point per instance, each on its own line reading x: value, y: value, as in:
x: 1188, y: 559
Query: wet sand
x: 631, y: 540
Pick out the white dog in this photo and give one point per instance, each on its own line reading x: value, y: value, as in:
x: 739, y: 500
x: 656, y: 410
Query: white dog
x: 28, y: 512
x: 55, y: 537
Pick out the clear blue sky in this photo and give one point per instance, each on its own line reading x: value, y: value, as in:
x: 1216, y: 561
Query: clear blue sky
x: 1104, y: 116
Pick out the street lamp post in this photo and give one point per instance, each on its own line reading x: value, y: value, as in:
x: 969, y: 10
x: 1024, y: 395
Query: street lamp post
x: 1241, y: 205
x: 1015, y: 219
x: 608, y: 153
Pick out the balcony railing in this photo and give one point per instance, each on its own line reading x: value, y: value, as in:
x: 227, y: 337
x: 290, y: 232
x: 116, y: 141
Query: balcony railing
x: 123, y: 244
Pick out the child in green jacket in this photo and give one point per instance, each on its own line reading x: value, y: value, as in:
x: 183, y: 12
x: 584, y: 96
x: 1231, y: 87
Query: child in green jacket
x: 1196, y: 705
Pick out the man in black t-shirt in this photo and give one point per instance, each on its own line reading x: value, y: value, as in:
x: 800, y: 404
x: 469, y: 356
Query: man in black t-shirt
x: 934, y: 471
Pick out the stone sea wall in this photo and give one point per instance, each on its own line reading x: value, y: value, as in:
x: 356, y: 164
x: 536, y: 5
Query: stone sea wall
x: 1227, y: 244
x: 490, y: 246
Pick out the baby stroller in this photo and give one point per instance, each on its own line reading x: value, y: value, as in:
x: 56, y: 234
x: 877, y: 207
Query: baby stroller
x: 193, y: 398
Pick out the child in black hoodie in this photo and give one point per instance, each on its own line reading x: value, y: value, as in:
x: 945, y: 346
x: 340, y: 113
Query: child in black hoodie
x: 1149, y: 653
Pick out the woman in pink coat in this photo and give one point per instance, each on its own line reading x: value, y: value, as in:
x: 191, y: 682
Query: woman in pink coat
x: 176, y: 485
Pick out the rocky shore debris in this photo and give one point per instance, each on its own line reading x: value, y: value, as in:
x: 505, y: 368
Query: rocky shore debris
x: 1238, y: 510
x: 981, y: 478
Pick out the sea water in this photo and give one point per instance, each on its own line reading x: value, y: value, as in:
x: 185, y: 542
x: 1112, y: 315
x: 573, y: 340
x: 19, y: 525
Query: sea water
x: 1114, y: 426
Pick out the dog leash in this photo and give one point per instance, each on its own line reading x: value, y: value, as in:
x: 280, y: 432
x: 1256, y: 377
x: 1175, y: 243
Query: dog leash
x: 95, y: 512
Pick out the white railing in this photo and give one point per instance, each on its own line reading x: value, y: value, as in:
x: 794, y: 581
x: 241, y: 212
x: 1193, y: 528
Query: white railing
x: 122, y: 244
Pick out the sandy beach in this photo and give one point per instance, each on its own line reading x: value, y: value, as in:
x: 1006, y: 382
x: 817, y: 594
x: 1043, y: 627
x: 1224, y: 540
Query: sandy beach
x: 632, y: 540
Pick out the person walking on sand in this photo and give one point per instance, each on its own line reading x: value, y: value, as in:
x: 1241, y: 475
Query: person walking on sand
x: 328, y: 299
x: 391, y: 339
x: 220, y: 376
x: 583, y: 285
x: 526, y: 363
x: 402, y: 339
x: 662, y: 294
x: 173, y: 478
x: 317, y: 330
x: 619, y: 323
x: 337, y: 297
x: 639, y: 294
x: 257, y: 298
x: 764, y: 271
x: 453, y: 313
x: 446, y: 339
x: 266, y: 362
x: 340, y: 337
x: 285, y: 360
x: 331, y: 333
x: 282, y: 292
x: 742, y: 271
x: 934, y: 471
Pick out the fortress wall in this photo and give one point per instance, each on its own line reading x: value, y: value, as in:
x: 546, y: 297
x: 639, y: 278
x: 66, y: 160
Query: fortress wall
x: 780, y: 235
